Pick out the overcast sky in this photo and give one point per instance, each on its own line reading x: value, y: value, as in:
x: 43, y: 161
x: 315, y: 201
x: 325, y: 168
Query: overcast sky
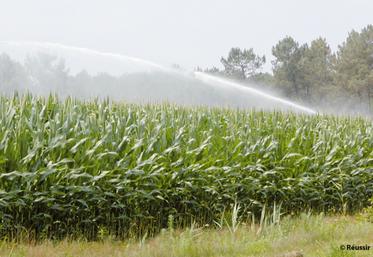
x: 187, y: 32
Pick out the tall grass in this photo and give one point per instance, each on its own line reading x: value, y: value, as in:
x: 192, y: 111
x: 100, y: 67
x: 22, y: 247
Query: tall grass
x: 79, y: 168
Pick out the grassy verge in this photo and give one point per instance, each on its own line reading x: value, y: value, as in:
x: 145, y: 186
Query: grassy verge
x: 310, y: 235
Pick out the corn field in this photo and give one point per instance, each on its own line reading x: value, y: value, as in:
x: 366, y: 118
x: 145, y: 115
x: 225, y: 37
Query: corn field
x: 69, y: 167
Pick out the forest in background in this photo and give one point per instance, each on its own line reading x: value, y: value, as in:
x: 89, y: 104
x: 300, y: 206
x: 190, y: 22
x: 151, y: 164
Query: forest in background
x: 311, y: 73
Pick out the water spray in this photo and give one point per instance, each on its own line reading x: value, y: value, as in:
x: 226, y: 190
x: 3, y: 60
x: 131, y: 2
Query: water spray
x: 227, y: 83
x: 203, y: 77
x: 120, y: 57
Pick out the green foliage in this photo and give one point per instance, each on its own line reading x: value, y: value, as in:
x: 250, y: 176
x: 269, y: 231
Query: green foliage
x: 242, y: 64
x: 287, y: 65
x: 75, y: 168
x: 314, y: 74
x: 368, y: 212
x: 354, y: 64
x: 317, y: 68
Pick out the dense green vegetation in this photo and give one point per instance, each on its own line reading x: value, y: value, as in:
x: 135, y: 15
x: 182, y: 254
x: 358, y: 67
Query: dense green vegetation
x: 80, y: 168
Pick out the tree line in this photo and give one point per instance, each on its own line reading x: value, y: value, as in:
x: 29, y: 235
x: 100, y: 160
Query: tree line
x: 311, y: 73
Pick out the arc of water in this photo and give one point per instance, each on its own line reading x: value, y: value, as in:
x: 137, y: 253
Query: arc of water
x: 210, y: 78
x: 86, y: 51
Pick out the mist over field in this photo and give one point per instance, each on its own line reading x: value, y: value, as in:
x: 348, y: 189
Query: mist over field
x: 295, y: 51
x: 186, y: 128
x: 50, y: 68
x: 46, y: 68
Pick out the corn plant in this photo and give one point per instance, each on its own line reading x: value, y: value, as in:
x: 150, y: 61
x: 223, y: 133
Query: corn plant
x: 74, y: 168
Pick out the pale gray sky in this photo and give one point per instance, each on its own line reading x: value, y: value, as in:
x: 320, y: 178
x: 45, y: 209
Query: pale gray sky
x: 187, y: 32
